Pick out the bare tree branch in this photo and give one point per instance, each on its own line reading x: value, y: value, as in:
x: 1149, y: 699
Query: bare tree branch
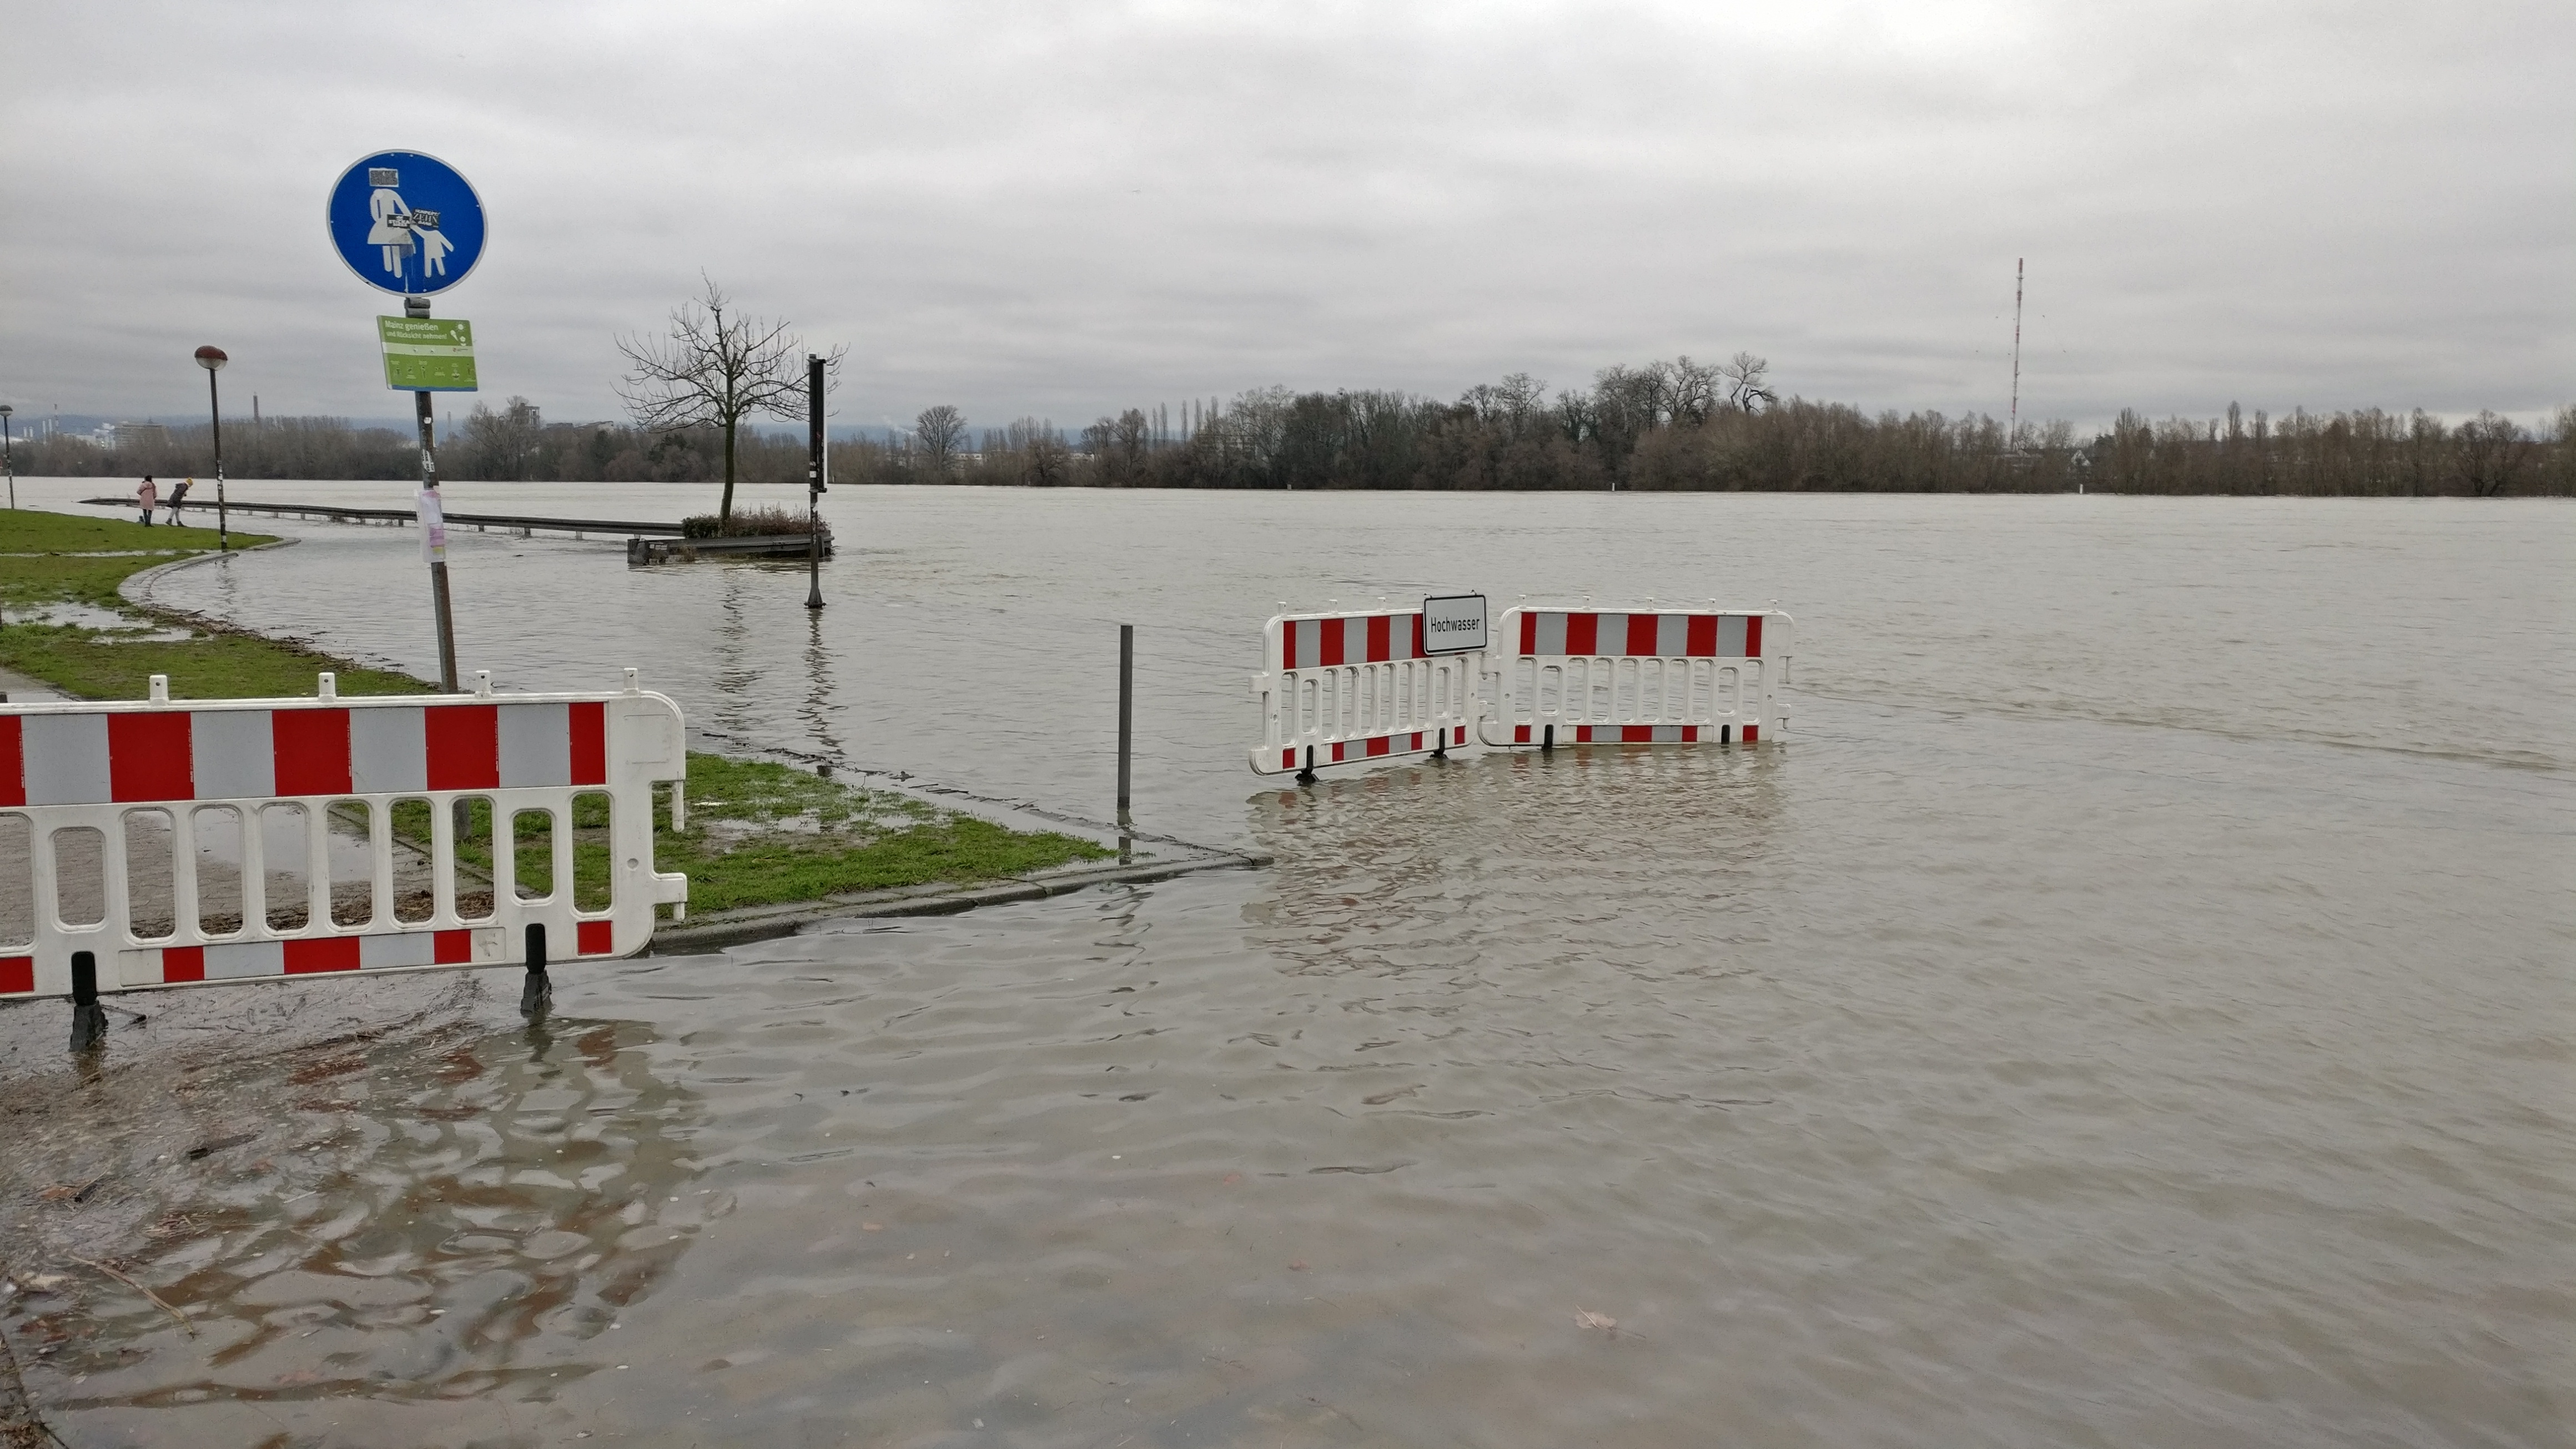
x: 715, y: 370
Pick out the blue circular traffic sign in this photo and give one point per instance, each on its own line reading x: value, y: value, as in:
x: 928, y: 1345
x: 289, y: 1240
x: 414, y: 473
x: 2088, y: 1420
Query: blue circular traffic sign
x: 406, y: 222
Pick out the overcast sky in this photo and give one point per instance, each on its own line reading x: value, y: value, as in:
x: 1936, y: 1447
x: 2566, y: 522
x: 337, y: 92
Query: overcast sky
x: 1064, y: 209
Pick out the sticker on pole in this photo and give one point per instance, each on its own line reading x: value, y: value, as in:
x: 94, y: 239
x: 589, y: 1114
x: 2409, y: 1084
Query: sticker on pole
x: 427, y: 354
x: 406, y: 222
x: 1454, y: 624
x: 433, y: 527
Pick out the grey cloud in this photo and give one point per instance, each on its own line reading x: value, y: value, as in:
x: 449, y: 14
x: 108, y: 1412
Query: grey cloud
x: 1063, y: 210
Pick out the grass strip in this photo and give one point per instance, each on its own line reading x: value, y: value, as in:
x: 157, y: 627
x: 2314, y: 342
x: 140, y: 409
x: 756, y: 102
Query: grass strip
x: 759, y: 833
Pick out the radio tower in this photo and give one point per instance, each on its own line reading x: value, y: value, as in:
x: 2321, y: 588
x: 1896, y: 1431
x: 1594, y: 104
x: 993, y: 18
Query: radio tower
x: 2012, y: 428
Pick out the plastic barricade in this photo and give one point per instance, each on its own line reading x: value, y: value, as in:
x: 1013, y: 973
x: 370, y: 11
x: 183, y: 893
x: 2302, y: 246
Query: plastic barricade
x: 1576, y: 676
x: 220, y: 840
x: 1357, y: 685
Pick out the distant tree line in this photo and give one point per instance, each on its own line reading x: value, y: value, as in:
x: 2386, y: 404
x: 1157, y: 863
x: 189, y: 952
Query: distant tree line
x: 1663, y: 427
x: 511, y: 443
x: 1681, y: 426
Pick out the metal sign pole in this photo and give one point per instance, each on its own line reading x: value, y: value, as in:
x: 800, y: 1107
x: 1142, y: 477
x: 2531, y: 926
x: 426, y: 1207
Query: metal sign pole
x: 419, y: 307
x: 9, y: 455
x: 814, y: 481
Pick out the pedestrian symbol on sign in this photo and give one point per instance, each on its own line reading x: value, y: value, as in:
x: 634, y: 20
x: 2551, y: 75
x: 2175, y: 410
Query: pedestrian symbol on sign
x: 406, y: 222
x: 392, y: 230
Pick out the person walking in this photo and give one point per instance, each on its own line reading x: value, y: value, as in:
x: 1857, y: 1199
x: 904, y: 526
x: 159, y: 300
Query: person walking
x: 178, y: 496
x: 149, y: 495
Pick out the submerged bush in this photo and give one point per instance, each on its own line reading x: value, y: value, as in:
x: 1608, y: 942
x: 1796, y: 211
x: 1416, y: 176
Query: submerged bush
x: 764, y: 522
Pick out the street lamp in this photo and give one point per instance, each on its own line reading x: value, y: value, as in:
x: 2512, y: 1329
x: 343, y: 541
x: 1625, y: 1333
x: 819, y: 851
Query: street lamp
x: 8, y: 455
x: 212, y: 359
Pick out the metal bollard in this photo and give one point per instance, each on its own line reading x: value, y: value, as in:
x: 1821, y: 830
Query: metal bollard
x: 539, y: 993
x: 1126, y: 711
x: 89, y: 1019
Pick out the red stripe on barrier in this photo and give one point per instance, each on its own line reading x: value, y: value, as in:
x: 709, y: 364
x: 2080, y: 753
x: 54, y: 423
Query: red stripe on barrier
x: 1642, y: 629
x: 1749, y: 732
x: 451, y: 948
x: 1462, y: 735
x: 331, y: 953
x: 1700, y: 641
x: 1328, y: 643
x: 1380, y: 746
x: 594, y: 938
x: 17, y: 974
x: 13, y: 762
x: 147, y: 757
x: 1521, y: 735
x: 1583, y: 734
x: 311, y: 750
x: 1418, y: 651
x: 1337, y: 752
x: 1636, y: 734
x: 1287, y: 643
x: 1529, y: 632
x: 1417, y: 739
x: 183, y: 963
x: 1690, y: 734
x: 1287, y: 758
x: 1753, y: 636
x: 464, y: 746
x: 1381, y: 638
x: 590, y: 743
x: 1582, y: 633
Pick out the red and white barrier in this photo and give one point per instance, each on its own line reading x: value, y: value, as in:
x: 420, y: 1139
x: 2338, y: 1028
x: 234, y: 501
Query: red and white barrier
x: 1641, y: 676
x: 1356, y: 685
x: 80, y: 767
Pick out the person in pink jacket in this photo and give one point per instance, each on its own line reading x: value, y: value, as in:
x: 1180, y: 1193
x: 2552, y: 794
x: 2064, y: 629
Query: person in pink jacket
x: 150, y: 497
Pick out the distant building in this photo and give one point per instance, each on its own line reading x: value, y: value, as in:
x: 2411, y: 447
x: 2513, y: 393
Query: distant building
x: 122, y: 436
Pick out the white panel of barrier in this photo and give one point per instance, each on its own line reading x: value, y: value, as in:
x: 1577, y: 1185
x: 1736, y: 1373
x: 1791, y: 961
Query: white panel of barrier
x: 207, y: 840
x: 1356, y: 685
x: 1635, y: 676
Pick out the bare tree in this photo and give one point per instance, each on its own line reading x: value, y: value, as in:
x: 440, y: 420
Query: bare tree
x: 501, y: 445
x: 713, y: 371
x: 2490, y: 453
x: 938, y: 429
x: 1744, y: 376
x: 1692, y: 391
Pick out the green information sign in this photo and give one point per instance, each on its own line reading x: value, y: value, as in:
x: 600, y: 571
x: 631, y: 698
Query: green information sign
x: 427, y: 354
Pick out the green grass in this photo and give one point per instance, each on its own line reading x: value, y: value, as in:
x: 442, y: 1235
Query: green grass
x: 84, y: 559
x: 763, y: 834
x: 52, y: 558
x: 118, y: 664
x: 759, y: 833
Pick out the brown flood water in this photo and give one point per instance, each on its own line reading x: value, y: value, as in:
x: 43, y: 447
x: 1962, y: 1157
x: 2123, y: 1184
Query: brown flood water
x: 2132, y: 1010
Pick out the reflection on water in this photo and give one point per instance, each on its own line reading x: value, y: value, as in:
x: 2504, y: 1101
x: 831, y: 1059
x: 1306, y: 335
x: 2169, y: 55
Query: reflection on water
x: 815, y: 713
x: 444, y: 1216
x: 1395, y: 871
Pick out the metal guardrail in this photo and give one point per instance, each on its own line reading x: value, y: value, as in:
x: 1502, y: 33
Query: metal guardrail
x: 480, y: 522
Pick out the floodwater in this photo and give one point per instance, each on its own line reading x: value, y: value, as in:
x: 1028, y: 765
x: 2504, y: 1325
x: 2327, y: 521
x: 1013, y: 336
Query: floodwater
x: 2132, y: 1009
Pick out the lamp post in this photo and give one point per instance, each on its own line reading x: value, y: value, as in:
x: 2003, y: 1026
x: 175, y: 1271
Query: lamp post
x: 212, y: 359
x: 8, y: 455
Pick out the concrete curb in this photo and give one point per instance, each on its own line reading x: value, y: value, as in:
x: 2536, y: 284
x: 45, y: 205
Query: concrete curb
x: 763, y: 923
